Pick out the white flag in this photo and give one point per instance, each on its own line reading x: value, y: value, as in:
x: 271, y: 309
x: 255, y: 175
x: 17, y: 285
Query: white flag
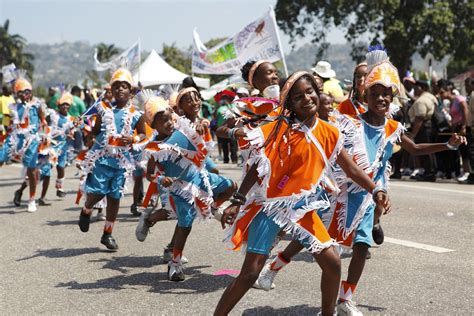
x: 258, y: 40
x: 129, y: 58
x: 9, y: 73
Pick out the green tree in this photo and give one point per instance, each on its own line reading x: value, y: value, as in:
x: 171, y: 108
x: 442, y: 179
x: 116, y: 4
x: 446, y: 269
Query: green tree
x: 402, y: 26
x: 177, y: 58
x: 12, y: 50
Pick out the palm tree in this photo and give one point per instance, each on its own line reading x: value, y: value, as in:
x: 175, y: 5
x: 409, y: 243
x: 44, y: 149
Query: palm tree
x: 12, y: 49
x: 105, y: 52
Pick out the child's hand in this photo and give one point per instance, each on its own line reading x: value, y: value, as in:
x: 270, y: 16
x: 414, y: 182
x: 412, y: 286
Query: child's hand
x: 166, y: 182
x: 457, y: 140
x: 382, y: 203
x: 240, y: 133
x: 229, y: 215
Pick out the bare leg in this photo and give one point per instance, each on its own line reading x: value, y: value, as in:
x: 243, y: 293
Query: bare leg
x: 112, y: 209
x: 45, y: 187
x: 251, y: 268
x: 357, y: 264
x: 330, y: 264
x: 91, y: 200
x: 32, y: 181
x: 137, y: 189
x: 293, y: 248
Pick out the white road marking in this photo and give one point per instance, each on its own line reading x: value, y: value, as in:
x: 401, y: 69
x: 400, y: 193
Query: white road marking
x: 429, y: 188
x: 417, y: 245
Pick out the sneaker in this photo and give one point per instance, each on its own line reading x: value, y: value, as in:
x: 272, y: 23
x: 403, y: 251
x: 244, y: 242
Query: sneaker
x: 321, y: 313
x: 100, y: 217
x: 175, y: 271
x: 265, y: 279
x: 134, y: 210
x: 377, y: 234
x: 348, y: 308
x: 168, y: 256
x: 17, y: 197
x: 406, y: 172
x: 60, y: 193
x: 463, y: 177
x: 32, y: 206
x: 142, y: 228
x: 84, y: 222
x: 108, y: 241
x: 42, y: 202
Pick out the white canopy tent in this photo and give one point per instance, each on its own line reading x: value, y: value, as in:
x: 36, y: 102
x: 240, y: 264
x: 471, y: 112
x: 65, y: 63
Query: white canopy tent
x: 155, y: 71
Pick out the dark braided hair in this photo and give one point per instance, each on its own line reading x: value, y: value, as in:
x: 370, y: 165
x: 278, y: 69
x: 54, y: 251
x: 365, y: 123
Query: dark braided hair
x: 287, y: 115
x: 245, y: 70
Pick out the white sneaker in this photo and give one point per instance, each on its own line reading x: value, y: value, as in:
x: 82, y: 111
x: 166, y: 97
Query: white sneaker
x: 463, y: 177
x: 32, y: 206
x: 142, y: 228
x: 321, y: 313
x: 265, y: 279
x: 348, y: 308
x: 175, y: 271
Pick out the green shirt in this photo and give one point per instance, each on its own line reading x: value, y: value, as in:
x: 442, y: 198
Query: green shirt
x: 220, y: 114
x: 77, y: 107
x: 52, y: 103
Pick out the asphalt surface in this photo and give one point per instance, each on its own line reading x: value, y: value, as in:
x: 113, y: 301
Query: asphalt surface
x: 47, y: 266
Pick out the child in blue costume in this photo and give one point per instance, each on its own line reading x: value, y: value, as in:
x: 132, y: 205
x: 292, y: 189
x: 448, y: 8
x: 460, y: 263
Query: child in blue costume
x: 62, y: 126
x: 189, y: 103
x: 23, y: 142
x: 109, y: 163
x: 179, y: 152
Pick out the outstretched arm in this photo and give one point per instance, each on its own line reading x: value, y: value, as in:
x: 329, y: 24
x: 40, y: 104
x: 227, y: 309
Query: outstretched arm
x: 427, y: 148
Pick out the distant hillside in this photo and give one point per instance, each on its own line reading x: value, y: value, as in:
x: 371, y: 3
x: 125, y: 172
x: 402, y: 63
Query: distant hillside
x: 61, y: 63
x: 68, y: 62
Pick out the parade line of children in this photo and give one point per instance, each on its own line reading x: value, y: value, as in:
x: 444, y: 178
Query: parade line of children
x: 317, y: 174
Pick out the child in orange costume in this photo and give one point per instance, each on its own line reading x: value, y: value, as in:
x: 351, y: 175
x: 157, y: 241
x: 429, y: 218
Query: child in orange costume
x: 291, y: 157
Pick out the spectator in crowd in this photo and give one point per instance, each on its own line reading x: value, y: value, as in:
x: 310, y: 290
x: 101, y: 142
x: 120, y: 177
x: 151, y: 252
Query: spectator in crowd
x: 229, y: 146
x: 331, y: 85
x: 420, y: 115
x: 5, y: 100
x: 77, y: 108
x: 458, y: 111
x: 53, y: 96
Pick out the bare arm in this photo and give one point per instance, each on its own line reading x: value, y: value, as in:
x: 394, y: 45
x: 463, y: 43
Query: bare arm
x: 223, y: 130
x: 427, y: 148
x: 150, y: 169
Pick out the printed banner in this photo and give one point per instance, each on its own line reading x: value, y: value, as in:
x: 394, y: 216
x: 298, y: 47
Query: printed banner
x: 129, y: 58
x: 258, y: 40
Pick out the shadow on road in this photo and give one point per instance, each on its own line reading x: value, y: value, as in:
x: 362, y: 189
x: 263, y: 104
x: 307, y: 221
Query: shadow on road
x: 9, y: 184
x: 62, y: 253
x: 373, y: 308
x: 122, y: 264
x: 196, y: 282
x: 291, y: 310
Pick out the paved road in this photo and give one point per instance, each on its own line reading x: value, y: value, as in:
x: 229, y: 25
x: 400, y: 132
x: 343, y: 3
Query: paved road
x: 48, y: 266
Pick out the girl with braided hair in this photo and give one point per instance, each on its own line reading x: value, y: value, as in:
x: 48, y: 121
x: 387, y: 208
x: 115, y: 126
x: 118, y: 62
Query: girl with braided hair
x: 291, y: 159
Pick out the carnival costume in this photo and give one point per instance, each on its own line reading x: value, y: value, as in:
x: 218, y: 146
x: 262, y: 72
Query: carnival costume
x: 292, y: 162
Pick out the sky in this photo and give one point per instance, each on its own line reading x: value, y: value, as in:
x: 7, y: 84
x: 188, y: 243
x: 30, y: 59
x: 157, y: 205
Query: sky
x: 120, y: 22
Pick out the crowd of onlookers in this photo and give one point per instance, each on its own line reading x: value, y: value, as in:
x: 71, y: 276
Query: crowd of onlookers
x: 432, y: 111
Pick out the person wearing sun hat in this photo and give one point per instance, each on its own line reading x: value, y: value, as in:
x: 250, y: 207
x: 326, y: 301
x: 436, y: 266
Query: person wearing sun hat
x: 27, y: 119
x: 109, y: 163
x: 331, y: 85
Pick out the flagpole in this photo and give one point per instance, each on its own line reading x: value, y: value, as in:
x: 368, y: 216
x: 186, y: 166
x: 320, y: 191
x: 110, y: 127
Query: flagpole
x: 139, y: 58
x: 279, y: 41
